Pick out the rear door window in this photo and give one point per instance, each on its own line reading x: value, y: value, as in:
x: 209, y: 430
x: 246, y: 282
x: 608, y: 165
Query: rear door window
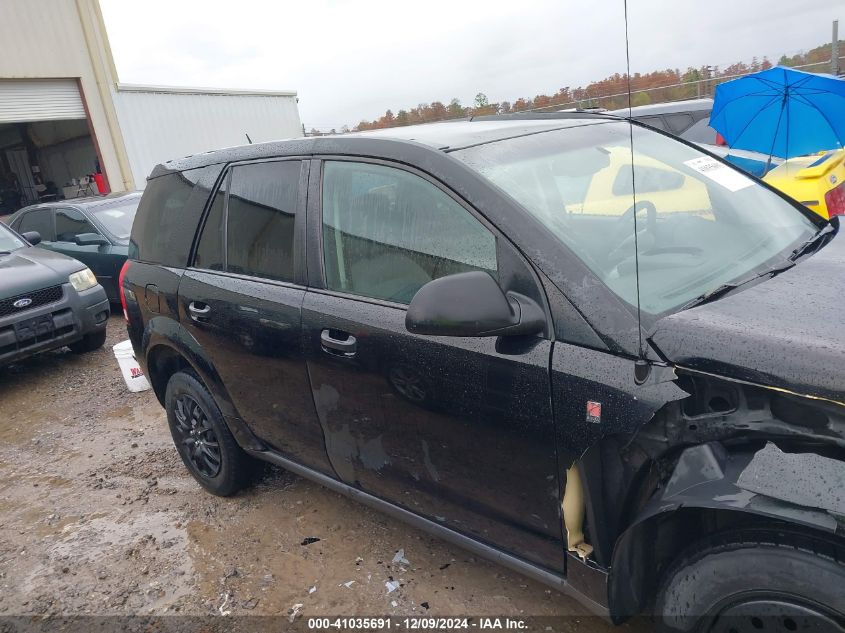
x: 253, y: 215
x: 40, y: 220
x: 260, y: 220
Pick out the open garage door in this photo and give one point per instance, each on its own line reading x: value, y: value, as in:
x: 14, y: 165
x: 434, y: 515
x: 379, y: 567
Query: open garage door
x: 47, y: 149
x: 53, y: 100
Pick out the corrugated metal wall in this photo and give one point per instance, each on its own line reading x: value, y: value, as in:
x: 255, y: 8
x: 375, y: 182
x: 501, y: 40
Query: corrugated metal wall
x: 40, y: 101
x: 158, y: 126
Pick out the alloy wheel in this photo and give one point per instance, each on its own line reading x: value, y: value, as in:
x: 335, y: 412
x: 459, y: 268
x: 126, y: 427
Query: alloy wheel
x: 197, y: 440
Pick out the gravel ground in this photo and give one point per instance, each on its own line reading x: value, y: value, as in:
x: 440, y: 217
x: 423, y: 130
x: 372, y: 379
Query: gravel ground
x: 99, y: 517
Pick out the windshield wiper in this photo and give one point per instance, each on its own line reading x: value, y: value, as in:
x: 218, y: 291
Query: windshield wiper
x: 711, y: 295
x: 721, y: 291
x: 814, y: 243
x: 5, y: 252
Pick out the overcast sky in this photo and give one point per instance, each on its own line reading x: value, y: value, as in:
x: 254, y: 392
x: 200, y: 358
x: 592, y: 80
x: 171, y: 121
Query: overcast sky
x: 350, y: 60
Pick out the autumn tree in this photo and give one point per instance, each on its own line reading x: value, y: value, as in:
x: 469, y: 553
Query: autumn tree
x: 657, y: 86
x: 438, y: 111
x: 456, y: 110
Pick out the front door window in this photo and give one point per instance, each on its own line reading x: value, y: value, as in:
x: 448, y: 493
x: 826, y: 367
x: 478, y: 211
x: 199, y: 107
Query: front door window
x: 387, y: 232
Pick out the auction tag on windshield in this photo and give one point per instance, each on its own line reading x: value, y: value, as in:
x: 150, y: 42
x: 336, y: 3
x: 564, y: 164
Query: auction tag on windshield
x: 720, y: 173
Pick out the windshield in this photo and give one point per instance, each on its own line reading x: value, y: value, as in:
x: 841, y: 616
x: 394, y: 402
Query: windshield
x: 9, y: 241
x: 117, y: 218
x: 699, y: 223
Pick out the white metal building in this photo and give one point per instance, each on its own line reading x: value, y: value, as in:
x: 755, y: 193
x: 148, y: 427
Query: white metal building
x: 63, y: 114
x: 165, y: 122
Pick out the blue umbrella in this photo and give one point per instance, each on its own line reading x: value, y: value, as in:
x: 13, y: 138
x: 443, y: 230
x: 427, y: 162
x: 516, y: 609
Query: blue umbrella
x: 781, y: 112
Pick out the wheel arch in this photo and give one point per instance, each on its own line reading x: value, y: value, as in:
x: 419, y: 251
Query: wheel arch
x: 701, y: 498
x: 170, y: 349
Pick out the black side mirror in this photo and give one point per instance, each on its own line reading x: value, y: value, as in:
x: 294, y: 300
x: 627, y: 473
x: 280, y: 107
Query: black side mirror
x: 33, y: 237
x: 89, y: 239
x: 471, y: 304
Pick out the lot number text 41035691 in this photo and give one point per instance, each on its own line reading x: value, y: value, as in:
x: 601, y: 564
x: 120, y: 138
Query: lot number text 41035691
x: 417, y: 623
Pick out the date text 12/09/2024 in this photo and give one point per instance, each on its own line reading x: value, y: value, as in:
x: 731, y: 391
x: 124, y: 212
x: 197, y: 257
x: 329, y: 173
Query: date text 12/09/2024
x: 414, y: 623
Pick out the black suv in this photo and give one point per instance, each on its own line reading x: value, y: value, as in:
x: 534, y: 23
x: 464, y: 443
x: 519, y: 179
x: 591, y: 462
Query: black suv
x: 620, y: 373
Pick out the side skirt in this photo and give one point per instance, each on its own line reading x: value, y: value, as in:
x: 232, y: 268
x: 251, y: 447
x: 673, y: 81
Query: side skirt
x: 518, y: 565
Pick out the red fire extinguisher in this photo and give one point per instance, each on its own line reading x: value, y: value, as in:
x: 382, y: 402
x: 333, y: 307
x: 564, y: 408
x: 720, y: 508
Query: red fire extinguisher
x: 101, y: 183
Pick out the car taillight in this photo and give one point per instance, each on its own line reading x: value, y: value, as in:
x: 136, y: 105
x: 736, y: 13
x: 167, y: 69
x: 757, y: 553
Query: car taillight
x: 835, y: 200
x: 720, y: 140
x: 122, y: 291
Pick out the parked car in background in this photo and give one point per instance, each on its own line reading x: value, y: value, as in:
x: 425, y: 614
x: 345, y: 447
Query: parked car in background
x: 47, y: 300
x: 93, y: 230
x: 688, y: 119
x: 816, y: 181
x: 424, y: 319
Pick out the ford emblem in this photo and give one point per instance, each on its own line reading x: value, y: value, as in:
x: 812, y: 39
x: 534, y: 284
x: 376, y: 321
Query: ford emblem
x: 22, y: 303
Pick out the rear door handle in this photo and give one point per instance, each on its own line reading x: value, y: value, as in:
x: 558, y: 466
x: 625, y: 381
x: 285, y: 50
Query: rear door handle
x: 333, y: 343
x: 199, y: 311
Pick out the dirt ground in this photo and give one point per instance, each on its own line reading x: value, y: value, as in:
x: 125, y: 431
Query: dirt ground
x: 99, y: 516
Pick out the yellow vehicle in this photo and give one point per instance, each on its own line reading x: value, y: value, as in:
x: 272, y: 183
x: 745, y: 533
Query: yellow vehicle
x: 671, y: 191
x: 817, y: 181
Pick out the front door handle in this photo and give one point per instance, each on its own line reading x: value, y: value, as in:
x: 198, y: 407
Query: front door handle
x: 199, y: 311
x: 338, y: 343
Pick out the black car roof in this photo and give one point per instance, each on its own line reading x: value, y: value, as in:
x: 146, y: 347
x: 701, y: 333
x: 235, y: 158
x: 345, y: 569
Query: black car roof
x: 444, y: 136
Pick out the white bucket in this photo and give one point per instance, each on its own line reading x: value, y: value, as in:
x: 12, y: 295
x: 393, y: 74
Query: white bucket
x: 129, y: 367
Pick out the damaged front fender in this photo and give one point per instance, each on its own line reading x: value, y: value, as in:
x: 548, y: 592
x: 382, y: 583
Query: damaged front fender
x: 596, y: 395
x: 795, y: 487
x: 767, y: 486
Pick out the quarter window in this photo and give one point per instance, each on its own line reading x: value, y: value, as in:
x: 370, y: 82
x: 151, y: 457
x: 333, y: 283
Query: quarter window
x: 387, y: 232
x: 70, y: 223
x: 168, y: 215
x: 679, y: 122
x: 40, y: 220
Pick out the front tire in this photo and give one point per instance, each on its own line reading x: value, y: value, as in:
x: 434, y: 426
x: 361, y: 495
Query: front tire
x: 89, y: 343
x: 755, y: 582
x: 202, y: 438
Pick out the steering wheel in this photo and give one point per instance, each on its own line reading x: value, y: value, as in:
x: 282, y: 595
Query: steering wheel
x: 623, y: 236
